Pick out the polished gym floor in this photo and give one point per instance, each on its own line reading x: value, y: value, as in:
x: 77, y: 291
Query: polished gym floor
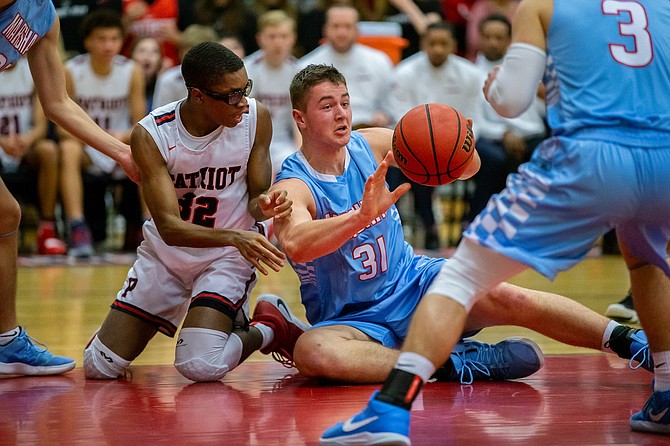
x: 580, y: 397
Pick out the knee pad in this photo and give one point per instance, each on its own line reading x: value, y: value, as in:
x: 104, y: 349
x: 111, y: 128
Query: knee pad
x: 472, y: 272
x: 204, y: 355
x: 102, y: 363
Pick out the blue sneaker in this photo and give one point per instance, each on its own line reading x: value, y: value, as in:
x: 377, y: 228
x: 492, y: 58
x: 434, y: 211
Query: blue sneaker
x: 631, y: 343
x: 22, y: 357
x: 379, y: 423
x: 512, y: 358
x: 654, y: 416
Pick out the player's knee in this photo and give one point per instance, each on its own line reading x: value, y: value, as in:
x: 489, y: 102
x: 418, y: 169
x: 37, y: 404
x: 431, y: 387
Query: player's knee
x: 312, y: 358
x: 507, y: 297
x: 10, y: 214
x: 199, y: 370
x: 102, y: 363
x: 47, y: 151
x: 205, y: 355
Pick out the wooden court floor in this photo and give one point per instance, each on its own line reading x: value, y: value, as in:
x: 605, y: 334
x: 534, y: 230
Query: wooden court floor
x: 580, y: 397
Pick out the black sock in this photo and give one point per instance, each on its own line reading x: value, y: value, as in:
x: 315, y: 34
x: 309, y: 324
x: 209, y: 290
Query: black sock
x: 400, y: 388
x: 619, y: 342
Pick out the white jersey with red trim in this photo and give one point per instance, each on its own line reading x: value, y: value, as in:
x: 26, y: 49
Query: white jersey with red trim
x: 106, y: 99
x: 16, y: 107
x: 209, y: 173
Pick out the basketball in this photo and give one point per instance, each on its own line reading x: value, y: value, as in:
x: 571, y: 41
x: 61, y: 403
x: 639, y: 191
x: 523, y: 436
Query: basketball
x: 433, y: 144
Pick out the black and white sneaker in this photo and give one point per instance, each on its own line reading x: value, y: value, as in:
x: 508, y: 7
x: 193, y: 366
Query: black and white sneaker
x: 623, y: 311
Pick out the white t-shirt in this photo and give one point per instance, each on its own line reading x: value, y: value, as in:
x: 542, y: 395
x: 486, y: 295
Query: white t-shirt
x: 367, y: 72
x: 170, y: 87
x: 457, y: 83
x: 530, y: 123
x: 271, y: 88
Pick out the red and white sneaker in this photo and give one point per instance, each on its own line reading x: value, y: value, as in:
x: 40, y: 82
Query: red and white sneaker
x: 272, y: 311
x: 48, y: 242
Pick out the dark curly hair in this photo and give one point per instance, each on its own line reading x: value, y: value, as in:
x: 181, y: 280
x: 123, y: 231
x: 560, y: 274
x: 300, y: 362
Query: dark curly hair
x: 206, y: 63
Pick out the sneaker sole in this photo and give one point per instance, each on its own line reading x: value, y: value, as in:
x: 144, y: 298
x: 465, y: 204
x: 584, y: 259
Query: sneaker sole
x: 367, y: 438
x: 18, y: 368
x: 649, y: 426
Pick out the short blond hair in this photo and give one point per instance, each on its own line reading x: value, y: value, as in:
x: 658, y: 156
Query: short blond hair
x: 275, y: 18
x: 195, y: 34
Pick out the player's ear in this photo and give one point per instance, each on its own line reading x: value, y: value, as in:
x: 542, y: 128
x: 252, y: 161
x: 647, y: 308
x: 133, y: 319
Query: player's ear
x: 299, y: 118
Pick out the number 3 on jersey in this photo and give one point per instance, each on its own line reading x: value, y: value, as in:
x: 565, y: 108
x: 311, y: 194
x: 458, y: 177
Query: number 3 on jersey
x: 633, y: 24
x: 372, y: 257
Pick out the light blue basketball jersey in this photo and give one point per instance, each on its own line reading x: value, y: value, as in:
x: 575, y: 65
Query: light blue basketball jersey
x: 375, y: 276
x: 626, y: 89
x: 607, y: 163
x: 22, y: 24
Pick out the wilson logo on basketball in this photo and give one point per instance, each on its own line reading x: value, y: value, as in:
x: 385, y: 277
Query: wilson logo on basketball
x: 469, y: 142
x: 399, y: 158
x: 433, y: 144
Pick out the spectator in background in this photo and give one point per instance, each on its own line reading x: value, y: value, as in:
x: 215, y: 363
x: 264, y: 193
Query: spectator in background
x: 503, y: 144
x: 414, y: 16
x: 110, y: 88
x: 272, y: 68
x: 480, y: 10
x: 229, y: 17
x: 260, y: 7
x: 160, y: 19
x: 435, y: 74
x: 367, y: 70
x: 170, y: 85
x: 71, y: 13
x: 234, y: 44
x: 312, y: 21
x: 29, y: 161
x: 457, y: 12
x: 148, y: 54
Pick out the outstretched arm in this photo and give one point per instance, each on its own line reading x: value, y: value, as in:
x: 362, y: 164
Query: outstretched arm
x: 305, y: 238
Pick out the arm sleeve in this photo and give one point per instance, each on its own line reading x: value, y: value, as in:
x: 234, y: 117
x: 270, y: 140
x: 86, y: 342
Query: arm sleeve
x: 515, y: 86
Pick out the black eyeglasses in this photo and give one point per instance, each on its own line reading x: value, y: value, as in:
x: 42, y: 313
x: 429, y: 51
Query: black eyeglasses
x: 229, y: 98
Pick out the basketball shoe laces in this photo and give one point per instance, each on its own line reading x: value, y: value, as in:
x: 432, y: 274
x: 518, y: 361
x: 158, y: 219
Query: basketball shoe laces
x: 469, y: 366
x: 643, y: 358
x: 282, y: 358
x: 30, y: 347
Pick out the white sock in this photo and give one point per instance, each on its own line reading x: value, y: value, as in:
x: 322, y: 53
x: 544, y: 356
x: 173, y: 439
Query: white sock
x: 8, y: 336
x: 102, y: 363
x: 604, y: 346
x: 267, y: 333
x: 415, y: 364
x: 661, y: 371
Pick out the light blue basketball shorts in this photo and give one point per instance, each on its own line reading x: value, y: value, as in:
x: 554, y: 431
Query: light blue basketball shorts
x: 388, y: 319
x: 572, y: 192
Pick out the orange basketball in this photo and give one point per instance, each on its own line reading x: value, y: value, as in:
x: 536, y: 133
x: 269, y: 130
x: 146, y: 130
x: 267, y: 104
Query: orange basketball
x: 433, y: 144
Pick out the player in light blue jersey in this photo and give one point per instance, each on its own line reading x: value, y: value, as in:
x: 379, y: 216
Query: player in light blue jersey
x: 361, y: 282
x: 30, y: 28
x: 607, y: 70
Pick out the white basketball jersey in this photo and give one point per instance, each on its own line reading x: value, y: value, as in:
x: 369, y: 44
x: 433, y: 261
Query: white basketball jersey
x: 106, y: 99
x: 16, y: 106
x: 209, y: 173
